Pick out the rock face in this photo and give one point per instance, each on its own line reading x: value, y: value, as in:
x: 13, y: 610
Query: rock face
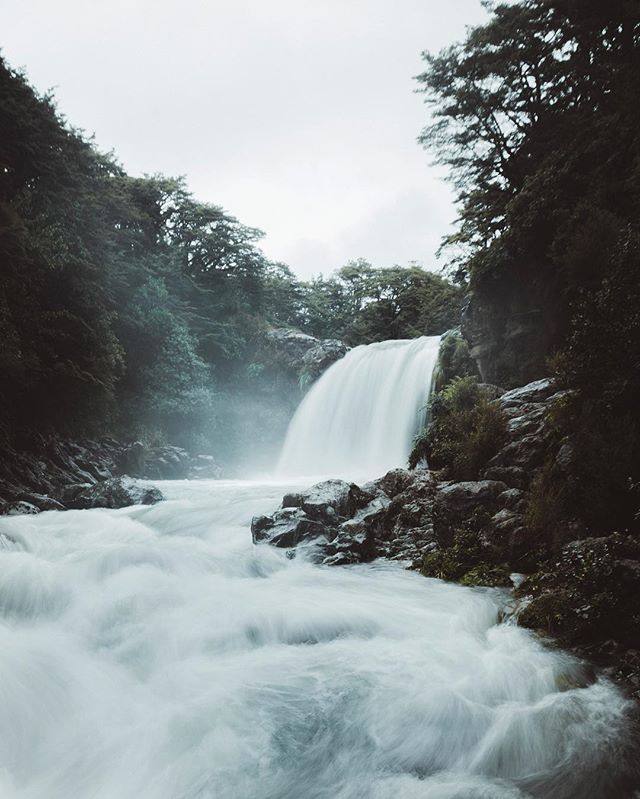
x: 303, y: 355
x: 319, y: 358
x: 56, y: 474
x: 510, y: 334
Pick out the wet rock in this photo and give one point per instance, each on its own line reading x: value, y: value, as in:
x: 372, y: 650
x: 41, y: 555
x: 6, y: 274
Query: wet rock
x: 21, y: 508
x: 328, y: 501
x: 355, y: 541
x: 70, y: 492
x: 391, y: 484
x: 115, y: 492
x: 530, y: 422
x: 526, y: 452
x: 537, y: 391
x: 565, y: 456
x: 42, y: 501
x: 506, y: 521
x: 288, y: 527
x: 133, y: 459
x: 513, y: 476
x: 510, y: 498
x: 470, y: 494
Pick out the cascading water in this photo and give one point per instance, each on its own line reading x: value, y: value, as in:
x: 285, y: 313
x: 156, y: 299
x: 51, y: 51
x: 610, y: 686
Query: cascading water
x: 362, y: 414
x: 155, y: 653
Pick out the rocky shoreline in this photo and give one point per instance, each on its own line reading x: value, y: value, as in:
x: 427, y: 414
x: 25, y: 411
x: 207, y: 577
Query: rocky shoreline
x: 579, y: 590
x: 60, y: 475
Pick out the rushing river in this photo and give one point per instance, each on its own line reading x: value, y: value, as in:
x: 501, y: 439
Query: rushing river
x: 155, y: 653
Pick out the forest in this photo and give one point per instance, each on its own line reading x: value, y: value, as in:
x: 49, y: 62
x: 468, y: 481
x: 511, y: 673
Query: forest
x: 130, y: 308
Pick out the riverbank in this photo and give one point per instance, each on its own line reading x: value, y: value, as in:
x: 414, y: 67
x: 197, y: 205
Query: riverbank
x: 57, y: 474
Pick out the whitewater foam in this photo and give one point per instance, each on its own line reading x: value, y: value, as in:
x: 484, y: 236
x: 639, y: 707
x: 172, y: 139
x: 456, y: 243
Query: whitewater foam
x: 155, y: 653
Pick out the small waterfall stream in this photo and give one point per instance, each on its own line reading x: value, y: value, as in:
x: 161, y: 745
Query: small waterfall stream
x: 360, y: 418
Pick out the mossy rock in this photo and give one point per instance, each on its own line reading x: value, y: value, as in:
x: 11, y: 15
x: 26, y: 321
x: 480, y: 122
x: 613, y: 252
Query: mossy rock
x: 487, y: 574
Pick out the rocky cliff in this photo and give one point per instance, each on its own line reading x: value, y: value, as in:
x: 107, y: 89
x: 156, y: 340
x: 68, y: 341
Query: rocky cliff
x: 512, y: 330
x: 57, y: 474
x: 302, y: 355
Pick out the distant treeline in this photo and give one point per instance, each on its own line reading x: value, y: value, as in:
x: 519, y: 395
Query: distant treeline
x: 128, y: 307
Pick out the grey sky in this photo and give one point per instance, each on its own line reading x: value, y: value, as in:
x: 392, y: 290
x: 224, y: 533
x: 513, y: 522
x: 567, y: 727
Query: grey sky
x: 297, y: 116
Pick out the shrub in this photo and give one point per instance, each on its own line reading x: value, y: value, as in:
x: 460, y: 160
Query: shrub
x: 466, y: 430
x: 454, y: 359
x: 468, y: 559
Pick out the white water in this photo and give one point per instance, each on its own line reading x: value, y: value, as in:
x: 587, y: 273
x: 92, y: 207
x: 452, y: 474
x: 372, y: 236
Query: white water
x: 155, y: 653
x: 361, y: 416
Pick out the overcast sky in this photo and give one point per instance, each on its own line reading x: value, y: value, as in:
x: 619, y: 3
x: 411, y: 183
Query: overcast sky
x: 297, y: 116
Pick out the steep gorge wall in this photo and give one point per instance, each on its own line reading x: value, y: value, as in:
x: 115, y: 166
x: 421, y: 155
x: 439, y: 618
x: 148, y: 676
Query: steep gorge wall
x: 512, y: 328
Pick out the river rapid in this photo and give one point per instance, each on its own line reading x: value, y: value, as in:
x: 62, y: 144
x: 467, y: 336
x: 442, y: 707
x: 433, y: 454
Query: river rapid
x: 156, y: 653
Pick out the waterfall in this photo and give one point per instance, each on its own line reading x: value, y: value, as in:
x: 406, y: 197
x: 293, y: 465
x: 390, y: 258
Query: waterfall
x: 360, y: 417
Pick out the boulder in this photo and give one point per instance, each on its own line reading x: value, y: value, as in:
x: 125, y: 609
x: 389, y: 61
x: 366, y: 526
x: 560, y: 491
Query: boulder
x: 41, y: 501
x: 470, y: 494
x: 319, y: 358
x: 21, y: 508
x: 391, y: 484
x: 115, y: 492
x: 288, y: 527
x: 510, y: 498
x: 328, y: 501
x: 513, y: 476
x: 305, y: 356
x: 527, y: 452
x: 132, y: 461
x: 355, y: 541
x: 537, y: 391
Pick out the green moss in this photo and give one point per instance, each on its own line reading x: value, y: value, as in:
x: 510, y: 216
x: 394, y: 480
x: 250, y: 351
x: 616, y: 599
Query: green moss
x: 588, y: 594
x: 454, y: 360
x: 467, y: 560
x: 487, y: 574
x: 465, y: 432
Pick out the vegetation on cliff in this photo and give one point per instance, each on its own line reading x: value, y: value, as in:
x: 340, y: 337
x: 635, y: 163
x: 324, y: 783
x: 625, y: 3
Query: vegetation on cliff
x: 128, y: 307
x: 536, y: 115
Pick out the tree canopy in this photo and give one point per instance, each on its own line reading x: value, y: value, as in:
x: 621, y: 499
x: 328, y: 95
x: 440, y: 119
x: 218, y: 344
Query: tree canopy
x: 127, y: 306
x: 536, y: 115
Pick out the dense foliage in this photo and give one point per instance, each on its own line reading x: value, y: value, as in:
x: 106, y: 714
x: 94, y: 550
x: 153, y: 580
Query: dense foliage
x: 361, y: 304
x: 465, y: 430
x: 536, y: 113
x: 128, y: 307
